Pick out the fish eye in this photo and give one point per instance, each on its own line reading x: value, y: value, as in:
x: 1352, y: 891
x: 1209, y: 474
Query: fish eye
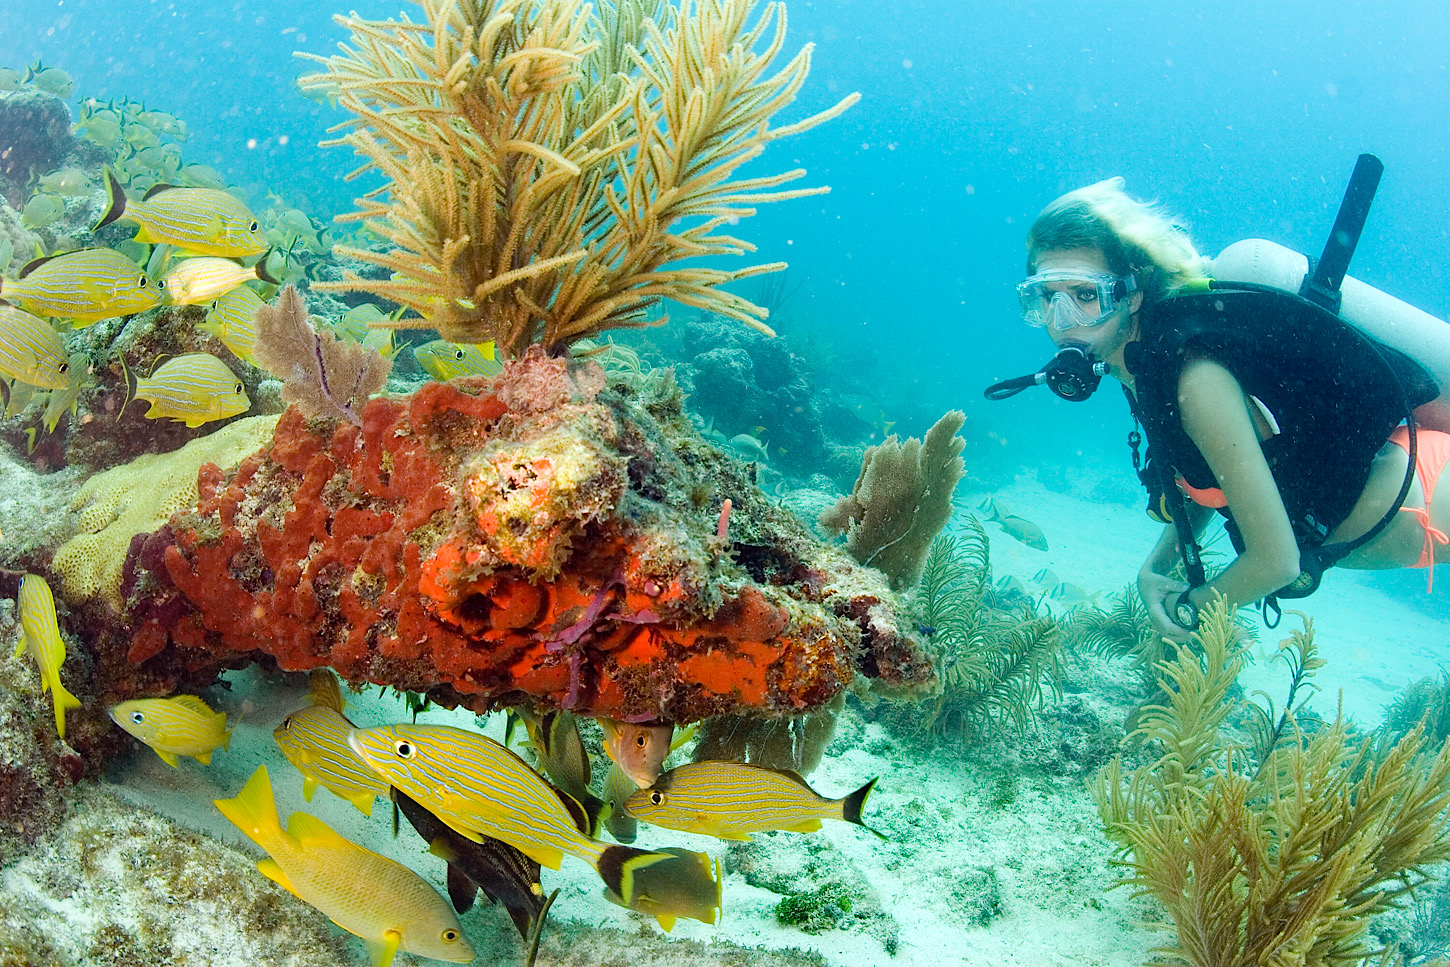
x: 65, y: 367
x: 138, y: 717
x: 656, y: 797
x: 640, y: 741
x: 252, y: 227
x: 450, y: 935
x: 237, y: 388
x: 404, y: 749
x: 457, y: 354
x: 142, y: 282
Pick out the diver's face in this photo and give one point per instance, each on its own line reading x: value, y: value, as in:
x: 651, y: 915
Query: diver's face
x: 1104, y: 338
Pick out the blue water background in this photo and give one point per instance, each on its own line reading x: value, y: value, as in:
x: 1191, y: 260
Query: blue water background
x: 1244, y: 117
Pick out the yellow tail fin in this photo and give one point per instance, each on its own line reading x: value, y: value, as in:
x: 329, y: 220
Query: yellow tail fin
x: 63, y: 700
x: 254, y: 811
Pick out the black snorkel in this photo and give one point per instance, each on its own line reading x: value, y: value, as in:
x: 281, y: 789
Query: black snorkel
x: 1072, y: 374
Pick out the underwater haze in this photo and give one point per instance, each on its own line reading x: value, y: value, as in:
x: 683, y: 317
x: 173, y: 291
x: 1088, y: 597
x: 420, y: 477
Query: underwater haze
x: 981, y: 700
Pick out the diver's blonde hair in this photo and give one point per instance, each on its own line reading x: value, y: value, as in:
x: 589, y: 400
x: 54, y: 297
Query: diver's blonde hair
x: 1134, y: 236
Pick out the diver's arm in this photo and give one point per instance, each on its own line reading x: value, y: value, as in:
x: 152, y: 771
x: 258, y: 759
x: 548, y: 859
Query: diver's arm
x: 1216, y: 418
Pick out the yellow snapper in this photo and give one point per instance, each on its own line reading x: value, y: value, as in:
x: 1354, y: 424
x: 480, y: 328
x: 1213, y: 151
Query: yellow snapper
x: 193, y: 388
x: 685, y: 884
x: 232, y: 319
x: 370, y: 896
x: 31, y: 351
x: 639, y: 750
x: 314, y: 740
x: 43, y: 209
x: 731, y: 800
x: 479, y: 788
x: 41, y: 635
x: 201, y: 220
x: 175, y: 726
x: 197, y: 281
x: 447, y: 360
x: 86, y: 285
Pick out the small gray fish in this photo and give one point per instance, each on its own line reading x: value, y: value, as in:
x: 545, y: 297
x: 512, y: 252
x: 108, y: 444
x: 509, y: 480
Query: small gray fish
x: 1024, y: 530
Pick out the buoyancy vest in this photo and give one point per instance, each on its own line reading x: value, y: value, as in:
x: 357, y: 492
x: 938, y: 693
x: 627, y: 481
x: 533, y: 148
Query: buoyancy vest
x: 1335, y: 393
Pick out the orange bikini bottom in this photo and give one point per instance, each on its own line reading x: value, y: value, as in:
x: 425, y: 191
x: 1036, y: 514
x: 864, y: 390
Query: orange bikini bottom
x: 1432, y: 453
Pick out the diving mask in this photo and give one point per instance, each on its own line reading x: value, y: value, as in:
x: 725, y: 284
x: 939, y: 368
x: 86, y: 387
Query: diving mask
x: 1066, y: 298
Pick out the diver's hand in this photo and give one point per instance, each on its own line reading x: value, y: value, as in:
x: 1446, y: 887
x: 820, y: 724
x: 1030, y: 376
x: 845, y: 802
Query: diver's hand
x: 1158, y: 593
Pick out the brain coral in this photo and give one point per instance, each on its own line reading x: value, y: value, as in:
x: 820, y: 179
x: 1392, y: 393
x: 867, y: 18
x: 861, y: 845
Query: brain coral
x: 137, y: 498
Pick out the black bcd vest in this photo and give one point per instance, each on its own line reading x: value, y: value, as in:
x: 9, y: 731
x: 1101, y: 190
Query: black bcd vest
x: 1335, y: 393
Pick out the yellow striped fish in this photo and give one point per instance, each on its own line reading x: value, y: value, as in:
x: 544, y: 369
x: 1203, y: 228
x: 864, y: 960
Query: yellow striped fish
x: 480, y: 788
x: 314, y: 740
x: 206, y: 221
x: 357, y: 324
x: 197, y: 281
x: 731, y: 800
x: 233, y: 319
x: 175, y: 726
x: 387, y: 905
x: 86, y: 285
x: 447, y: 360
x: 193, y: 388
x: 31, y: 351
x: 41, y: 635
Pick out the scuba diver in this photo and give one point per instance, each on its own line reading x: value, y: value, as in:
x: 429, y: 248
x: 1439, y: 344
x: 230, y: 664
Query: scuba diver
x: 1307, y: 408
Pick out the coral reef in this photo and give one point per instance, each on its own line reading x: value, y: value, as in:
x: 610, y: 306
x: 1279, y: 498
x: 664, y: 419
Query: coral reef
x: 794, y: 742
x: 538, y: 157
x: 535, y: 539
x: 901, y: 501
x: 1276, y: 860
x: 35, y: 129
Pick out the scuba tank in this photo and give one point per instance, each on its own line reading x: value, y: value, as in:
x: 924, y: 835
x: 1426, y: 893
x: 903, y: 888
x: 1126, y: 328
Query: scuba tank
x: 1382, y: 317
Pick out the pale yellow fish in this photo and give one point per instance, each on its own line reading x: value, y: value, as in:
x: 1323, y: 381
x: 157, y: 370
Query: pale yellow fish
x: 639, y: 750
x: 66, y: 182
x: 65, y: 400
x: 448, y: 360
x: 10, y: 79
x: 41, y: 636
x: 554, y: 736
x: 51, y: 80
x: 197, y: 281
x: 102, y: 131
x: 201, y: 220
x: 387, y: 905
x: 314, y: 739
x: 193, y: 388
x: 175, y: 726
x: 43, y: 209
x: 618, y: 787
x: 731, y: 800
x: 201, y: 176
x: 85, y: 285
x: 31, y: 350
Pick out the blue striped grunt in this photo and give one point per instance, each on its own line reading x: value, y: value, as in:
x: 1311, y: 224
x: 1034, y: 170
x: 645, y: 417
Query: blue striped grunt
x: 197, y: 281
x: 175, y: 726
x: 193, y: 388
x: 41, y: 635
x: 31, y: 350
x: 232, y: 318
x: 731, y: 800
x: 479, y: 788
x: 87, y: 285
x: 206, y: 221
x: 370, y: 896
x: 314, y: 739
x: 448, y: 360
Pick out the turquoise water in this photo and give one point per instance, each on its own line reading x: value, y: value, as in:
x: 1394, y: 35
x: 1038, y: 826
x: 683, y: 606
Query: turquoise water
x: 1244, y: 118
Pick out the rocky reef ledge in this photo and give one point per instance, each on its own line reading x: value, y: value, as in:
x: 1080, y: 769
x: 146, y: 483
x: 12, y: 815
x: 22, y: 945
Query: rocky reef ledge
x: 551, y: 537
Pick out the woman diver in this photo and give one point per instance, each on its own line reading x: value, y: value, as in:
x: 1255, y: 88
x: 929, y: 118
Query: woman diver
x: 1257, y: 403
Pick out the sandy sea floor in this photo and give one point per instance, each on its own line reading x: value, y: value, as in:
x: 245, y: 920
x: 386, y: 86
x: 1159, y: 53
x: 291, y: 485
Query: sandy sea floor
x: 976, y: 868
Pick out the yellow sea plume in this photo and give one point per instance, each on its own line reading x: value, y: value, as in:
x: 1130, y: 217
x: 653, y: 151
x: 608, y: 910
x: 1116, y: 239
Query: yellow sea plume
x: 138, y: 497
x: 540, y: 157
